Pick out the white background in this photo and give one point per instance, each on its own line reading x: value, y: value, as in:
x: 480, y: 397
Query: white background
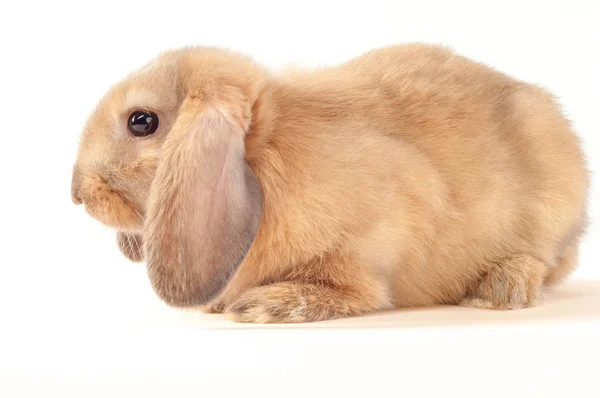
x: 78, y: 320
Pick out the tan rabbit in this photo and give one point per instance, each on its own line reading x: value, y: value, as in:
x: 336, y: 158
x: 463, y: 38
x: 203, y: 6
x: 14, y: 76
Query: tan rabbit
x: 409, y: 176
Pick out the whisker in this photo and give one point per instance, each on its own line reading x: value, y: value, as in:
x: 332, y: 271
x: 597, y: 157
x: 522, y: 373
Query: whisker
x: 139, y: 215
x: 129, y: 245
x: 137, y: 245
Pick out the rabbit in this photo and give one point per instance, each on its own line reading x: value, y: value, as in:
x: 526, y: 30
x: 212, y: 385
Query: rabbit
x: 409, y: 176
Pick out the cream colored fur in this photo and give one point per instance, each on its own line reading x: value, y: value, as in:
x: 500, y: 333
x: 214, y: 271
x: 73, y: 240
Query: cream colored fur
x: 409, y: 176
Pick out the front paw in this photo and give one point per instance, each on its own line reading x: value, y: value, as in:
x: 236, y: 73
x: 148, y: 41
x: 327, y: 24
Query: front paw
x: 279, y: 303
x: 131, y: 246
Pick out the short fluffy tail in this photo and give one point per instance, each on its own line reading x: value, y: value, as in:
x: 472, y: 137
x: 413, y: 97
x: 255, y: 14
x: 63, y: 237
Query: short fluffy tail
x: 564, y: 266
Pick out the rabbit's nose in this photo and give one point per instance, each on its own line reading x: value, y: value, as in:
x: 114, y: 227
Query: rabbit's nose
x: 75, y: 186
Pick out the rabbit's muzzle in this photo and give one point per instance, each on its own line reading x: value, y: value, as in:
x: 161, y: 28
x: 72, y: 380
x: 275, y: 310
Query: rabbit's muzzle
x: 103, y: 202
x: 75, y: 186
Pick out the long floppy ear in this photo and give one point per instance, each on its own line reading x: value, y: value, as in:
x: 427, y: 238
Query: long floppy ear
x: 204, y: 208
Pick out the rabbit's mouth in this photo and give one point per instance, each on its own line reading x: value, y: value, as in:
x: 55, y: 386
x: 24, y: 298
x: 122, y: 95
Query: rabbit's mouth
x: 107, y: 205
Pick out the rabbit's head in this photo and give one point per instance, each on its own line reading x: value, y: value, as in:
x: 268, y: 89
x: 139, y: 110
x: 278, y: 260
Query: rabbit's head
x: 163, y: 155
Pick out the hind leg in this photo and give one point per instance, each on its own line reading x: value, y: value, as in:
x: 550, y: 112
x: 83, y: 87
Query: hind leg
x: 511, y: 284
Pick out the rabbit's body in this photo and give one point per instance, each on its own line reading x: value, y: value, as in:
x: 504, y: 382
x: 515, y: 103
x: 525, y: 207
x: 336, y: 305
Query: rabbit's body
x: 409, y: 176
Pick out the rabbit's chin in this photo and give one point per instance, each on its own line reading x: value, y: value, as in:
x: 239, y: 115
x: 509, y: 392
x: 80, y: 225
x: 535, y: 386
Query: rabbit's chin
x: 122, y: 220
x: 110, y: 208
x: 115, y: 213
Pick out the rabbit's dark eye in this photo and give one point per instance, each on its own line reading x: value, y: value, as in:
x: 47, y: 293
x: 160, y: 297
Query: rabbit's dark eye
x: 142, y: 123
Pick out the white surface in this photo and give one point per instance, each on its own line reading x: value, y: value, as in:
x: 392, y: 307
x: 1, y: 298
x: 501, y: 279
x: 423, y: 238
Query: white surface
x: 79, y: 320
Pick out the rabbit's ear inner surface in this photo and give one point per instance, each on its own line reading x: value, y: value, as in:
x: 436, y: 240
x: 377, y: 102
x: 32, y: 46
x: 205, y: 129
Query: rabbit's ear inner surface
x: 204, y: 208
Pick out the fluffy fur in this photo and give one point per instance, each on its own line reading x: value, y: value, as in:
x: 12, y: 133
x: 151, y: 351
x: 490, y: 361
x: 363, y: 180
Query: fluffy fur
x: 409, y: 176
